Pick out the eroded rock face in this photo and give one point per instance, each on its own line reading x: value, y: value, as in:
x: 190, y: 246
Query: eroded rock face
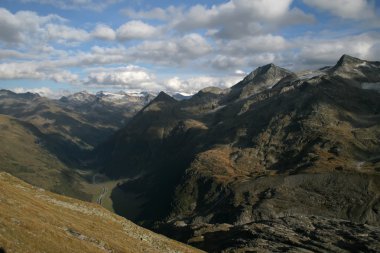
x: 289, y: 234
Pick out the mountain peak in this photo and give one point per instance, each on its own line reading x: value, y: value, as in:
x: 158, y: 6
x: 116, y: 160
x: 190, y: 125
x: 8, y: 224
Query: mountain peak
x: 269, y: 69
x: 163, y: 97
x: 262, y: 78
x: 347, y: 60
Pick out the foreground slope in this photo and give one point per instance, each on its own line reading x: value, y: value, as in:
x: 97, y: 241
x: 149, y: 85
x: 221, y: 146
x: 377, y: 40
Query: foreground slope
x: 277, y: 144
x: 34, y: 220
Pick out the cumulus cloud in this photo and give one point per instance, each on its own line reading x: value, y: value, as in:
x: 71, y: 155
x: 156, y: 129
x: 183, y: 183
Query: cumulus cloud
x: 353, y: 9
x: 20, y: 70
x: 233, y: 19
x: 28, y: 29
x: 194, y: 84
x: 240, y: 18
x: 128, y: 77
x: 64, y: 77
x: 103, y: 32
x: 96, y: 5
x: 327, y: 51
x: 174, y: 50
x: 22, y: 26
x: 36, y: 70
x: 63, y: 33
x: 136, y: 30
x: 136, y: 78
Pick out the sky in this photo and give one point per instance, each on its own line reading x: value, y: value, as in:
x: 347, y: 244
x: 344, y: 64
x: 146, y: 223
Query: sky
x: 56, y: 47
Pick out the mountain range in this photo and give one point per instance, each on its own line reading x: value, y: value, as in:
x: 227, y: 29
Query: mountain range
x: 277, y: 144
x: 46, y: 142
x: 281, y: 161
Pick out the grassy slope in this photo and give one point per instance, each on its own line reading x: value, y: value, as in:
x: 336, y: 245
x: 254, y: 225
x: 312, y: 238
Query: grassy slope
x: 23, y: 154
x: 34, y: 220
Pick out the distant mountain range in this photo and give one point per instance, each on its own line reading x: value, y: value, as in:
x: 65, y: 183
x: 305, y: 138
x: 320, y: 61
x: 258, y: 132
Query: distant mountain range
x: 280, y: 161
x: 44, y: 141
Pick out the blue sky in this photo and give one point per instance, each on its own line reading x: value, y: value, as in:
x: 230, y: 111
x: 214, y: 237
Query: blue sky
x: 56, y: 47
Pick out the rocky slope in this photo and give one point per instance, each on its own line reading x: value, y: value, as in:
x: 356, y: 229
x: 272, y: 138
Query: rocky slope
x: 277, y: 144
x: 34, y: 220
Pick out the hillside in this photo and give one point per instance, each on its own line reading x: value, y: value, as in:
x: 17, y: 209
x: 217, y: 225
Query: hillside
x: 277, y: 144
x: 34, y: 220
x: 23, y: 153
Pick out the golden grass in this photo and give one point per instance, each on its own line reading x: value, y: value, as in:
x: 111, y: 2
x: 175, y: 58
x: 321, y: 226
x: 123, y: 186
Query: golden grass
x: 34, y: 220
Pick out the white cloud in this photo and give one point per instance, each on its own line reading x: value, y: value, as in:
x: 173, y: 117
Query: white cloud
x: 103, y: 32
x: 22, y: 26
x: 96, y: 5
x: 174, y: 50
x: 136, y: 30
x: 137, y: 78
x: 328, y: 51
x: 355, y: 9
x: 248, y: 52
x: 36, y: 70
x: 128, y: 77
x: 20, y: 70
x: 194, y: 84
x: 64, y: 77
x: 225, y: 62
x: 63, y: 33
x: 240, y: 18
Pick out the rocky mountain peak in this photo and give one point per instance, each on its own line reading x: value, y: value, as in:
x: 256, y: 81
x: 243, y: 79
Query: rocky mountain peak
x: 347, y: 60
x: 163, y: 97
x: 82, y: 96
x: 269, y: 70
x: 262, y: 78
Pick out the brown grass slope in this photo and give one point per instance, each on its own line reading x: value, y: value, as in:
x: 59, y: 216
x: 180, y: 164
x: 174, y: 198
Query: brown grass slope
x: 34, y: 220
x: 24, y: 155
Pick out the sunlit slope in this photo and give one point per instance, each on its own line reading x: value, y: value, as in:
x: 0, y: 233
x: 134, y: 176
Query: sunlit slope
x: 34, y: 220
